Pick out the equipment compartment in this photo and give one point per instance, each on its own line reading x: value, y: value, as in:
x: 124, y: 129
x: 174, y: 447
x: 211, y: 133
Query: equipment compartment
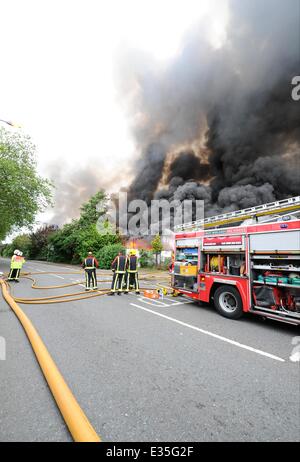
x: 186, y: 265
x: 224, y: 263
x: 275, y: 242
x: 276, y: 283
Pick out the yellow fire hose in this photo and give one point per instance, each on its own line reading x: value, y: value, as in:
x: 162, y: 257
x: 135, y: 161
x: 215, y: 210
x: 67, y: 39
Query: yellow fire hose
x: 70, y: 296
x: 77, y: 422
x: 74, y: 417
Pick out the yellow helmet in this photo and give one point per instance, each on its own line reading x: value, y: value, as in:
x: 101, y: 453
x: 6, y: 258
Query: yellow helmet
x: 132, y: 252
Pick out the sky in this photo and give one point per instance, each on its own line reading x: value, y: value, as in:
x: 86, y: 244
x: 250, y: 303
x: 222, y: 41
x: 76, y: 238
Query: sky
x: 59, y: 71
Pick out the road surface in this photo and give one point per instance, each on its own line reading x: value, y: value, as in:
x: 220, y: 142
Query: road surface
x: 167, y: 370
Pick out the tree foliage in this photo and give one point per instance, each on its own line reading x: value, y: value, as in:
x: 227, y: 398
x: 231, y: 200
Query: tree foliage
x: 90, y: 240
x: 146, y: 259
x: 107, y: 253
x: 91, y: 210
x: 73, y: 241
x: 62, y: 244
x: 157, y: 244
x: 39, y: 242
x: 21, y: 242
x: 23, y: 192
x: 157, y: 247
x: 76, y: 239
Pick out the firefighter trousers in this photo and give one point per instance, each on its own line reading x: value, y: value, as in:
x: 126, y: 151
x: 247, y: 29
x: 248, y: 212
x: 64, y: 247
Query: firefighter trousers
x: 14, y: 274
x: 90, y: 279
x: 117, y: 282
x: 132, y: 281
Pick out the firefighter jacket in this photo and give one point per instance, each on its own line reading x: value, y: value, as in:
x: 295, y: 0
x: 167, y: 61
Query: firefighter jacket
x: 90, y: 263
x: 132, y: 266
x: 17, y: 262
x: 119, y: 265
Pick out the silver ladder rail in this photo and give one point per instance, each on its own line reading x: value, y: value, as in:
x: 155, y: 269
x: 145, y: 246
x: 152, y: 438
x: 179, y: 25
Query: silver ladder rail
x: 263, y: 209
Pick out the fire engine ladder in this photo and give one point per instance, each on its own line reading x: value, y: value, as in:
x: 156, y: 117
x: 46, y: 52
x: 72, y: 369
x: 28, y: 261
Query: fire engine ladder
x: 277, y: 208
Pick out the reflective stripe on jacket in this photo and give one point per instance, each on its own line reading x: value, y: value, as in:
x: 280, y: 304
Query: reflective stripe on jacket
x: 90, y: 263
x: 17, y: 262
x: 119, y: 264
x: 132, y: 264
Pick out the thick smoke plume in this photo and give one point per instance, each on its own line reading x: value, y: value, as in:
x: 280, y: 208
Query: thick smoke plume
x: 219, y: 123
x: 148, y: 172
x: 73, y: 189
x: 70, y: 192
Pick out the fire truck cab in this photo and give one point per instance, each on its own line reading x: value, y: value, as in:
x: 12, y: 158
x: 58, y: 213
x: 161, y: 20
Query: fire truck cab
x: 250, y: 267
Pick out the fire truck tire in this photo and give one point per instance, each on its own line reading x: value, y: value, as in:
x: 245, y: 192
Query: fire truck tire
x: 228, y: 302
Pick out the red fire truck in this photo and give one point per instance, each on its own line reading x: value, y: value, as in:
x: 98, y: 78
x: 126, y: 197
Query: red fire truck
x: 244, y: 261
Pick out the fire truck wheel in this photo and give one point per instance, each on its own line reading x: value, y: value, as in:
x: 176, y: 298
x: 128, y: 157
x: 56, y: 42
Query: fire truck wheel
x: 228, y: 302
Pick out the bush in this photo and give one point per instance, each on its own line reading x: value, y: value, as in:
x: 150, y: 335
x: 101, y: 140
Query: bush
x: 6, y: 250
x: 165, y: 264
x: 146, y: 259
x: 62, y: 244
x: 71, y: 243
x: 39, y: 247
x: 106, y: 255
x: 90, y: 240
x: 74, y: 240
x: 21, y: 242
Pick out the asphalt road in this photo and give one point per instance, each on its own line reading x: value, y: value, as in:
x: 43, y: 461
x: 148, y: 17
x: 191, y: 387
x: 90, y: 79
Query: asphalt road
x: 142, y: 370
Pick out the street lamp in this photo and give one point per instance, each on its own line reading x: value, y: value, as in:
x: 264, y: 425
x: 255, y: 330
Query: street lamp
x: 12, y: 124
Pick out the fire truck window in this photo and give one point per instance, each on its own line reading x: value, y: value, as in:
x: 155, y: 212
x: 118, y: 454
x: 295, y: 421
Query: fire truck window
x: 187, y: 254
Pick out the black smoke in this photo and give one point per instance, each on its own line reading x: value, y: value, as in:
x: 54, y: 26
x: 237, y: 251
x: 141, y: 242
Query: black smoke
x: 148, y: 173
x: 257, y: 145
x: 187, y: 165
x: 233, y: 102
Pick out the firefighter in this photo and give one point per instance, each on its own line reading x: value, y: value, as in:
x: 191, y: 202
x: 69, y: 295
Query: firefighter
x: 90, y: 264
x: 118, y: 266
x: 17, y: 261
x: 172, y: 263
x: 132, y: 280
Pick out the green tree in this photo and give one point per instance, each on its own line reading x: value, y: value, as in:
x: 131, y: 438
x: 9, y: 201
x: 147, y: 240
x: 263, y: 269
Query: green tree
x: 75, y: 239
x: 106, y: 255
x: 23, y: 192
x: 39, y: 242
x: 23, y: 243
x: 7, y: 250
x: 88, y: 239
x: 90, y: 211
x: 157, y: 247
x: 146, y: 258
x: 62, y: 244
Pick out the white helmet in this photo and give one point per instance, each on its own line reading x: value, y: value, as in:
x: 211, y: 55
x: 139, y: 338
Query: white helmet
x: 16, y: 252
